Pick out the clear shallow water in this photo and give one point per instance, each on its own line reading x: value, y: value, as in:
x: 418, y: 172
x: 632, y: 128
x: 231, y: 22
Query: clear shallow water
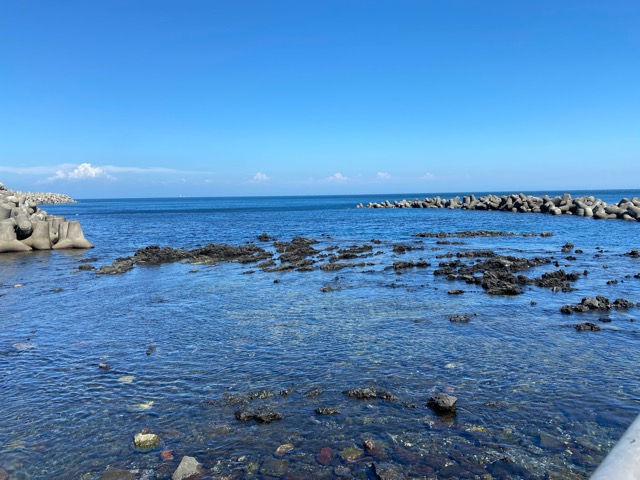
x: 536, y: 397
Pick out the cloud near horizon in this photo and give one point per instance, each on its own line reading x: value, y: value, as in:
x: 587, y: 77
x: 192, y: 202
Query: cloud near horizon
x: 260, y: 178
x: 383, y: 175
x: 336, y: 178
x: 81, y: 172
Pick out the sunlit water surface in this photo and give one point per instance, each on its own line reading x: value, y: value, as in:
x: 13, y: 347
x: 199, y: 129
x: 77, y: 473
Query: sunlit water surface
x: 537, y: 398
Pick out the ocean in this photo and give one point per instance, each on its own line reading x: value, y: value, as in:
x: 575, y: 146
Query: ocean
x: 188, y: 346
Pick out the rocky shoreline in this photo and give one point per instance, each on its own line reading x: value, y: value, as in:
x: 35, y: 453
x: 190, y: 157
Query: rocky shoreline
x: 588, y: 206
x: 486, y: 271
x: 25, y: 227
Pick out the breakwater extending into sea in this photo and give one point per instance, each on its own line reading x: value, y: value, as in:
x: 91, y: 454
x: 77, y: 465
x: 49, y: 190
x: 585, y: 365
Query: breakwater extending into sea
x: 304, y: 338
x: 586, y: 206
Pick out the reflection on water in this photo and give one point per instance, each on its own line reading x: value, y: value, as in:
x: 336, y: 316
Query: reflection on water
x: 186, y: 350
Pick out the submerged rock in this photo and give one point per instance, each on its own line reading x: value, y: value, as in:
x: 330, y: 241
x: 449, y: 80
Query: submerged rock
x: 351, y: 454
x: 388, y: 471
x: 283, y: 449
x: 588, y: 326
x: 111, y: 474
x: 261, y: 415
x: 145, y: 441
x: 325, y: 456
x: 188, y: 469
x: 327, y: 411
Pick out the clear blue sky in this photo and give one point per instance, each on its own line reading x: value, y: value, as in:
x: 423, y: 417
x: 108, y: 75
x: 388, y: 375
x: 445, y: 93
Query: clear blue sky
x: 125, y: 98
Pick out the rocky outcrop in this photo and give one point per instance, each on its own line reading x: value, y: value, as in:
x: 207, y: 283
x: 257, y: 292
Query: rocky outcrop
x: 24, y: 226
x: 588, y: 206
x: 598, y: 303
x: 443, y: 403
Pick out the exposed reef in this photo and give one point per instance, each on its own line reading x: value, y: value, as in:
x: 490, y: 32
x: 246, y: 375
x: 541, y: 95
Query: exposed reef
x: 588, y: 206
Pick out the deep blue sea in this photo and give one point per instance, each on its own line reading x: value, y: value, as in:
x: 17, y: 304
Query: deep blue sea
x: 536, y: 398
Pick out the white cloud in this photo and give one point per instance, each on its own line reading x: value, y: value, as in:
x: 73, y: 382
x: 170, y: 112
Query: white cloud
x: 260, y: 177
x: 336, y: 178
x: 85, y: 170
x: 383, y: 175
x: 81, y: 172
x: 428, y: 176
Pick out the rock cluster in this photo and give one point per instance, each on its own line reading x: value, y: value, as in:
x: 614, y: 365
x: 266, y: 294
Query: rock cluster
x: 589, y: 206
x: 25, y: 227
x: 598, y: 303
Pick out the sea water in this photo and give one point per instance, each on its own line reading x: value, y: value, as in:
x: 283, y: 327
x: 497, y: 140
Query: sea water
x: 536, y: 398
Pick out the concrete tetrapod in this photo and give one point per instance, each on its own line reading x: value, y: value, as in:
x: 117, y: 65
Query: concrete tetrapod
x: 23, y: 226
x: 8, y: 239
x: 70, y: 236
x: 5, y: 211
x: 39, y: 239
x: 54, y: 226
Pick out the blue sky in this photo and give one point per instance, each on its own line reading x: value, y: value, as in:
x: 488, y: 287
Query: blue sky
x: 123, y: 98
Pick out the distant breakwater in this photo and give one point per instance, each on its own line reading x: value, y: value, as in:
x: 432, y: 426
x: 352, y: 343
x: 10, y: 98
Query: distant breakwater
x: 44, y: 198
x: 24, y: 226
x: 587, y: 206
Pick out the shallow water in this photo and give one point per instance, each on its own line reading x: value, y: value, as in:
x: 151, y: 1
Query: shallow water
x: 536, y: 397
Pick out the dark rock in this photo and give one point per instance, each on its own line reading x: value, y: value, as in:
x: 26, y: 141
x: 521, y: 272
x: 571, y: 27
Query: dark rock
x: 86, y: 266
x: 612, y: 282
x: 120, y: 265
x: 296, y: 251
x: 633, y: 253
x: 460, y: 318
x: 581, y: 327
x: 501, y: 283
x: 476, y: 253
x: 604, y: 319
x: 262, y: 415
x: 443, y: 403
x: 406, y: 265
x: 327, y: 411
x: 623, y: 304
x: 402, y: 248
x: 368, y: 393
x: 455, y: 292
x: 260, y: 394
x: 588, y: 304
x: 559, y: 278
x: 388, y: 471
x: 568, y: 247
x: 314, y: 392
x: 263, y: 237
